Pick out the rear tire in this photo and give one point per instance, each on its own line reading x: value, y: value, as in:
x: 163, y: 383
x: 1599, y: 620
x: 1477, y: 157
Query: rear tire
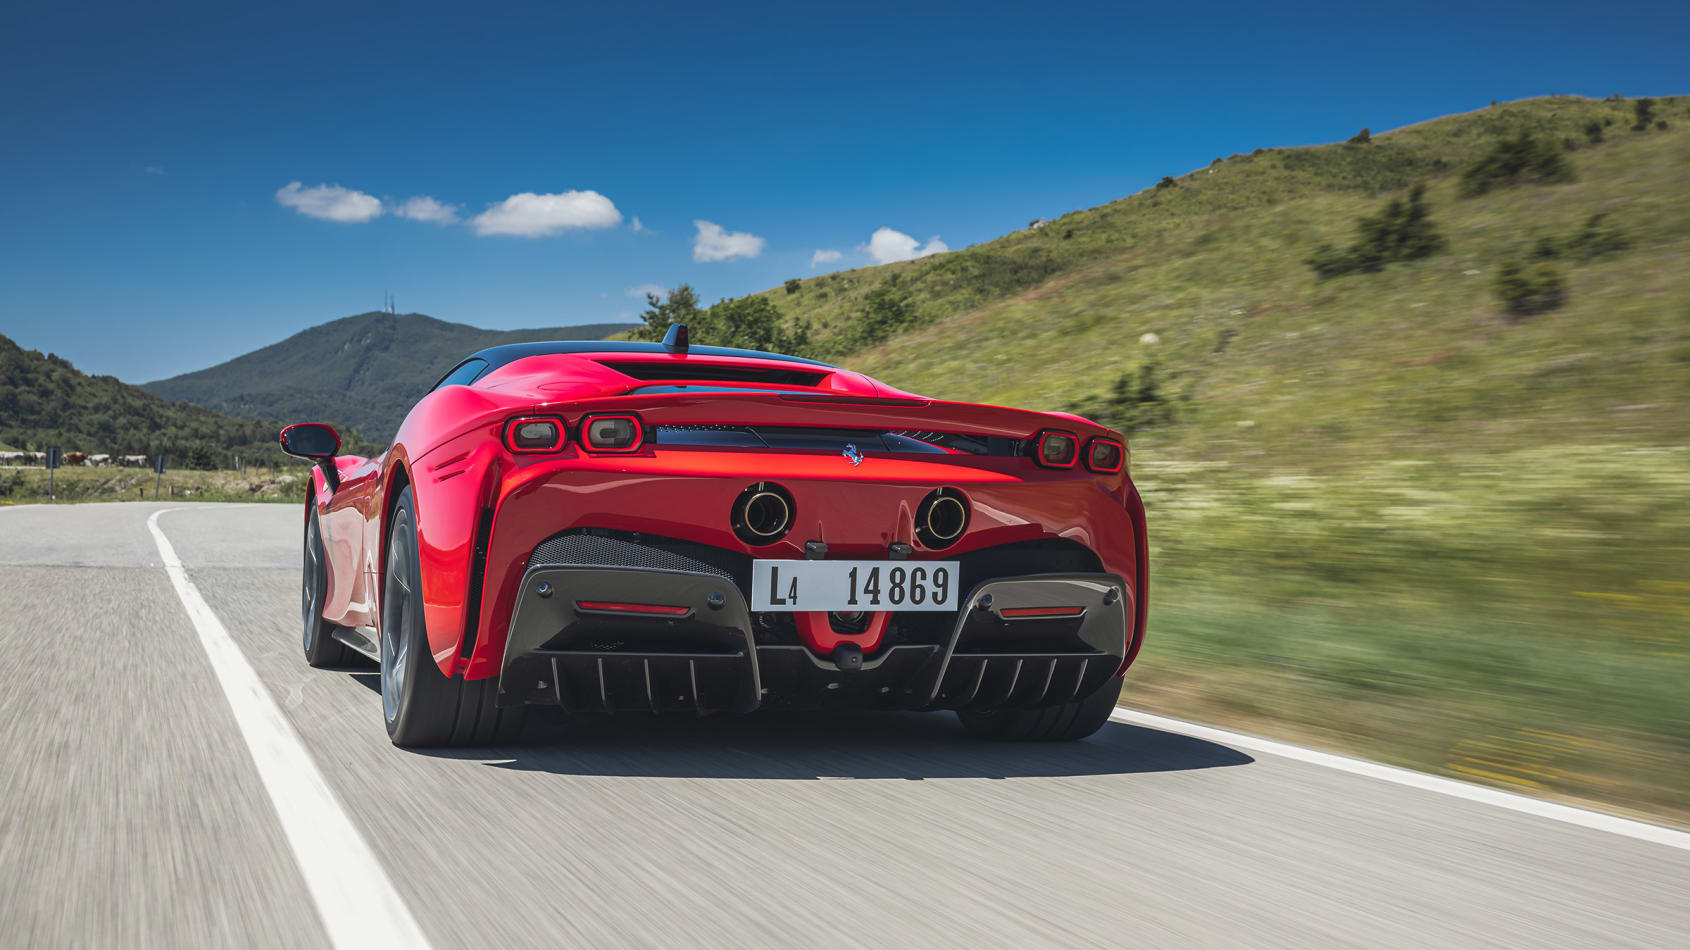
x: 1064, y: 723
x: 423, y: 706
x: 321, y: 648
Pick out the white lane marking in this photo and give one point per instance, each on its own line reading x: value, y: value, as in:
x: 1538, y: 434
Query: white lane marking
x: 1583, y: 817
x: 359, y: 907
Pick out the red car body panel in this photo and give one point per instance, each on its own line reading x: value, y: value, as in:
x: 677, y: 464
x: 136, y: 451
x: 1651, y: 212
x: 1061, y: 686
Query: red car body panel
x: 450, y: 450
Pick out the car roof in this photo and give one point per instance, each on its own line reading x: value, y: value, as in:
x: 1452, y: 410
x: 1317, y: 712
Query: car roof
x: 497, y: 356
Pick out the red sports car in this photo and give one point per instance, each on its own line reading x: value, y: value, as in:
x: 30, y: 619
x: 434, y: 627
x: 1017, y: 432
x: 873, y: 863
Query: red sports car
x: 611, y: 527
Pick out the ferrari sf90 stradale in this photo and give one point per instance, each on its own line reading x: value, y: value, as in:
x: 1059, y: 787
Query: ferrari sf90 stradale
x: 612, y: 527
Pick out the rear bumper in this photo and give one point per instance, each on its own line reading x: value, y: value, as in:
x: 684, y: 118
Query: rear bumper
x: 709, y: 656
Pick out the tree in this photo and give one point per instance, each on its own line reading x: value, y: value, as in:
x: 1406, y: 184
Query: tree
x: 1364, y: 137
x: 680, y: 307
x: 793, y: 285
x: 1644, y: 111
x: 1593, y: 131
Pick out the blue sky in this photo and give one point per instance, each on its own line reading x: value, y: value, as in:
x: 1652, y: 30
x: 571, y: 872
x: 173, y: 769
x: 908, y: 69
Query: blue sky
x: 148, y: 149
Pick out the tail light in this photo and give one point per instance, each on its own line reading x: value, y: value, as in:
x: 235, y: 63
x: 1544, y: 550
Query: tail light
x: 618, y: 433
x: 1105, y: 455
x: 1057, y: 449
x: 534, y: 435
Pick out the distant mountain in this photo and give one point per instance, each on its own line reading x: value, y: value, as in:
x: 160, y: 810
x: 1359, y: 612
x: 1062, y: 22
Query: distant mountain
x: 46, y: 401
x: 367, y: 370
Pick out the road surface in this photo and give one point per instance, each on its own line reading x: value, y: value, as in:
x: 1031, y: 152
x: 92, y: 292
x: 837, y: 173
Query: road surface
x: 135, y: 811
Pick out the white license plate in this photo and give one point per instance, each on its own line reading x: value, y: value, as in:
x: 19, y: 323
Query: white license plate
x: 853, y: 585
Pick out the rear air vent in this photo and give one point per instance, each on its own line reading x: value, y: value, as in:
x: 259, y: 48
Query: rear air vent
x: 714, y: 372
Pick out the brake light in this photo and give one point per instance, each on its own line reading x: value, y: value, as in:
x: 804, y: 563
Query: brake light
x: 615, y: 607
x: 1028, y: 613
x: 618, y: 433
x: 534, y: 435
x: 1057, y: 449
x: 1105, y: 455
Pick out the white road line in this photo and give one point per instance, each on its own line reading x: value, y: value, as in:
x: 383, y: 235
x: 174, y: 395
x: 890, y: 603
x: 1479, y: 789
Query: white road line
x: 359, y: 907
x: 1583, y: 817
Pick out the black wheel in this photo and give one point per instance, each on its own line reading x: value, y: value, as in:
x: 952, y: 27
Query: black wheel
x: 423, y: 706
x: 321, y: 648
x: 1063, y: 723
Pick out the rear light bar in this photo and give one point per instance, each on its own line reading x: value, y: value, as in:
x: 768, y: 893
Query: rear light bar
x: 620, y: 433
x: 1056, y: 448
x: 614, y: 607
x: 1105, y: 455
x: 535, y: 435
x: 1028, y: 613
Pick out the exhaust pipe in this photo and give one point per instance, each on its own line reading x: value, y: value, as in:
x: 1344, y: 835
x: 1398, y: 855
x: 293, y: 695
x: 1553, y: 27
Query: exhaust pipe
x: 942, y: 518
x: 762, y: 514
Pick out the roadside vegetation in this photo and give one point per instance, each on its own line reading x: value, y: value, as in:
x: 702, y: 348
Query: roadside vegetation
x: 1427, y: 508
x: 28, y: 485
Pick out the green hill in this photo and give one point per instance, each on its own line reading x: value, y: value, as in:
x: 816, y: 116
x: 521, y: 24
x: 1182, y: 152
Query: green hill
x: 1386, y: 514
x: 369, y: 369
x: 44, y: 401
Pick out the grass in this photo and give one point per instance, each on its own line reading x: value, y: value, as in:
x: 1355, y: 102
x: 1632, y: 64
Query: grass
x: 1386, y: 518
x: 25, y: 486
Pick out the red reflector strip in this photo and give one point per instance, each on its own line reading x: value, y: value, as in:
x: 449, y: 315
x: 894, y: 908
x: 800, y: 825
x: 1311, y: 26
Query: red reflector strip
x: 664, y: 609
x: 1042, y: 611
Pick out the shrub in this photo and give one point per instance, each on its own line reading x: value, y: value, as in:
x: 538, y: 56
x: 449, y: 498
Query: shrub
x: 793, y: 284
x: 1364, y: 137
x: 202, y: 457
x: 1596, y: 239
x: 1401, y: 231
x: 1661, y: 124
x: 1328, y: 262
x: 1644, y: 111
x: 885, y: 312
x: 1524, y: 291
x: 1593, y: 131
x: 1546, y: 249
x: 1167, y: 182
x: 1135, y: 402
x: 1569, y: 145
x: 1522, y: 158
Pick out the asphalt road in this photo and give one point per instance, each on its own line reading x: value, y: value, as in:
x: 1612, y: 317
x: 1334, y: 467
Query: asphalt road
x: 133, y: 814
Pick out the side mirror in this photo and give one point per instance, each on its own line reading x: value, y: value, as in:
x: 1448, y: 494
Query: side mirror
x: 317, y: 442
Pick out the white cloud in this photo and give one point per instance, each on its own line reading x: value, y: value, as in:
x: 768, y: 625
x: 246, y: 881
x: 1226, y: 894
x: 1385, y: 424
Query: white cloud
x: 426, y: 208
x: 532, y: 215
x: 638, y: 227
x: 714, y: 244
x: 331, y: 202
x: 153, y: 170
x: 643, y: 289
x: 887, y: 245
x: 824, y: 257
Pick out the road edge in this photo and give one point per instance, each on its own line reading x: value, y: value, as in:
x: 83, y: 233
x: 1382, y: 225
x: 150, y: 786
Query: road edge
x: 355, y: 899
x: 1454, y: 788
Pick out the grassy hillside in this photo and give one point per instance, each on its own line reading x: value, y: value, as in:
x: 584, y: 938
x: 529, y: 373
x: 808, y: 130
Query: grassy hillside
x: 45, y: 401
x: 368, y: 369
x: 1386, y: 516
